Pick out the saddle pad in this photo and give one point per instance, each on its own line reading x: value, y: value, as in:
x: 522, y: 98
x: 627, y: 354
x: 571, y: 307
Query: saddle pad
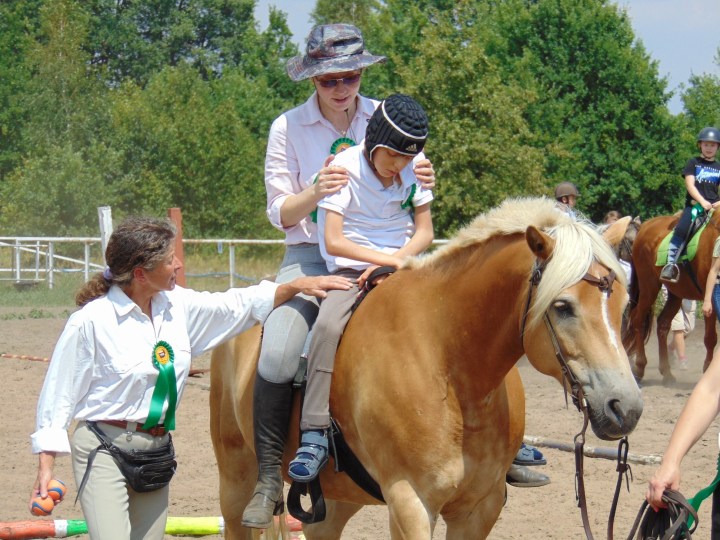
x: 690, y: 249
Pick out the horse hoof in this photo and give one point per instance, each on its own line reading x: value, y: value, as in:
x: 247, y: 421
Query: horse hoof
x: 669, y: 379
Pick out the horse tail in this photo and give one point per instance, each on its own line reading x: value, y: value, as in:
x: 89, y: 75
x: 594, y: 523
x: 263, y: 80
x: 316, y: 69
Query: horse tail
x: 628, y: 329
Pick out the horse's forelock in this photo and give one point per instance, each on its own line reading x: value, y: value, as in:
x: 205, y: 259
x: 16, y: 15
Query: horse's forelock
x: 577, y: 245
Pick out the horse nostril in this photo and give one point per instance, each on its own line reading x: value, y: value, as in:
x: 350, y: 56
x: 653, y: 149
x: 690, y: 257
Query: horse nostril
x: 614, y: 412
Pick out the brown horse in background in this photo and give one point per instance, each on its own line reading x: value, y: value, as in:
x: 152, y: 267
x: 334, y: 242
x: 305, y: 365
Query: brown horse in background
x: 645, y: 286
x: 425, y: 387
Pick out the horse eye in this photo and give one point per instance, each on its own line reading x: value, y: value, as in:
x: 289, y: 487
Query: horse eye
x: 563, y: 309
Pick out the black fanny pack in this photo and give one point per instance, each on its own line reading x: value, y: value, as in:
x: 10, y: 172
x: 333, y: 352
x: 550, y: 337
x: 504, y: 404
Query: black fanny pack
x: 144, y: 470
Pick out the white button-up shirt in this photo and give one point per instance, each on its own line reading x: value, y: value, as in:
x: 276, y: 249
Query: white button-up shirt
x: 101, y: 368
x: 298, y: 144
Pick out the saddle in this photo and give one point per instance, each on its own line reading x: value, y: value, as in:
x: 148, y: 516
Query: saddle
x: 345, y: 459
x: 690, y: 244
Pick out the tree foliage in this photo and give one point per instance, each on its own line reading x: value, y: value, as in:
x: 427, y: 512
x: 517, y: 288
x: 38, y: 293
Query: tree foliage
x: 147, y: 104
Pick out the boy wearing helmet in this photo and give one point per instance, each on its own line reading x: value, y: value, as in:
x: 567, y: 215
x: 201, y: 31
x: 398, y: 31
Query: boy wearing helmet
x: 566, y: 195
x: 702, y: 175
x: 379, y: 218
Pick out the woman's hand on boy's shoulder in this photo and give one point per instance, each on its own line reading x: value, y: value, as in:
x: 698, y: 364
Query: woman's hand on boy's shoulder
x: 425, y: 173
x: 330, y: 179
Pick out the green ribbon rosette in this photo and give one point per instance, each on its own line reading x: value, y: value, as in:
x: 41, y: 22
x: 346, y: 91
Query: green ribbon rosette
x: 163, y: 358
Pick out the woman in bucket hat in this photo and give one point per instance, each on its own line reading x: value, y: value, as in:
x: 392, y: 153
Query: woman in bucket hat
x: 301, y: 144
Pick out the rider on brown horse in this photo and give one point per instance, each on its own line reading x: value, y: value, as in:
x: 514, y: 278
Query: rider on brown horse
x: 702, y: 174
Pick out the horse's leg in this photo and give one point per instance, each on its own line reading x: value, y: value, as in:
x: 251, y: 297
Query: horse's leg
x: 710, y: 340
x: 481, y: 519
x: 408, y: 516
x: 641, y: 315
x: 338, y: 514
x: 664, y: 321
x: 237, y: 466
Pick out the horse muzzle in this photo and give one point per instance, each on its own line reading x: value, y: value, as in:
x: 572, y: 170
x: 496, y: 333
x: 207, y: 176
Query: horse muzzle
x: 614, y: 406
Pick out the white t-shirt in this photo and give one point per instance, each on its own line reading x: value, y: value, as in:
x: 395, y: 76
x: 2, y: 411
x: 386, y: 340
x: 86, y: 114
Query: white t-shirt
x: 373, y: 216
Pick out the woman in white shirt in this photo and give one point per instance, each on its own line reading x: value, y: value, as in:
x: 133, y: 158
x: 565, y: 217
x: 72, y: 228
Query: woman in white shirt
x: 122, y: 362
x: 301, y: 144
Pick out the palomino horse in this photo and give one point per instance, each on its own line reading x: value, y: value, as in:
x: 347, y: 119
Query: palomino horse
x: 425, y: 387
x: 645, y: 285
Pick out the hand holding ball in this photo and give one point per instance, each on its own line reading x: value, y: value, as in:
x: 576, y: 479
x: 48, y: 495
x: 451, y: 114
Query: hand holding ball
x: 42, y: 507
x: 56, y: 489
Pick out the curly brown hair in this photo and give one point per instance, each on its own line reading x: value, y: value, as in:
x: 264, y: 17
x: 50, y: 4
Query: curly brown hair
x: 138, y: 242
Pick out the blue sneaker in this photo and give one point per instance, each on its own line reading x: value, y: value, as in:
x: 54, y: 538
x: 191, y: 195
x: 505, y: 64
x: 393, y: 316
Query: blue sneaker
x: 311, y: 457
x: 528, y: 456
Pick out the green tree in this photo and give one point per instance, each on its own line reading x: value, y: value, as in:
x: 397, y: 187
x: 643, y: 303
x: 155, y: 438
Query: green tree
x: 185, y: 142
x: 701, y: 100
x: 60, y: 181
x: 19, y: 22
x: 600, y: 101
x: 479, y: 142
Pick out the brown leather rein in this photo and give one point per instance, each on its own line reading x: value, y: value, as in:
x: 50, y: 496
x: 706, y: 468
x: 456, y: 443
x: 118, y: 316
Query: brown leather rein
x: 604, y: 284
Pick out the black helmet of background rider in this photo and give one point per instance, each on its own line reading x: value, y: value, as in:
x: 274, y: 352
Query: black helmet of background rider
x: 710, y: 134
x: 565, y: 189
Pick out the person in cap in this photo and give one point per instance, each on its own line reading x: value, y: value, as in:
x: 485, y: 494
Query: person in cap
x: 566, y: 195
x: 701, y: 174
x: 298, y: 175
x: 381, y: 217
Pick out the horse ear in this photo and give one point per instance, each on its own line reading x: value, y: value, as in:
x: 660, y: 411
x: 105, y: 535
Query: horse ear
x: 616, y: 231
x: 541, y: 244
x: 637, y: 220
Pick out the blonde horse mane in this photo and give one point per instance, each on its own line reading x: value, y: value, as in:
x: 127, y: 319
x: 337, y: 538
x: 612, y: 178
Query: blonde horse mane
x: 577, y: 245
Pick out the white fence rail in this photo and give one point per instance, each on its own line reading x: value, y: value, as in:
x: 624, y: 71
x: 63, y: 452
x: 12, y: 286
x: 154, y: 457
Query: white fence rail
x: 42, y: 260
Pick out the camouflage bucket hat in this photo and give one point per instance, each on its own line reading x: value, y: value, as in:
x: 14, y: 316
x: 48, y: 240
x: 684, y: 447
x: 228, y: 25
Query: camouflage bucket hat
x: 331, y: 48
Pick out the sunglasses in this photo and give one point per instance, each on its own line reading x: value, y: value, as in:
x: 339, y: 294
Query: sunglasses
x: 332, y: 83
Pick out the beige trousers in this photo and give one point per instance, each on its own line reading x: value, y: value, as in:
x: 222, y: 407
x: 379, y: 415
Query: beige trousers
x: 112, y: 509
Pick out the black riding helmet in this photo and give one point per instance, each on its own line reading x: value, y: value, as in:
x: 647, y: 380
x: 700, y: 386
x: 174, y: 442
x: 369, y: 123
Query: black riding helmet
x: 711, y: 134
x: 400, y: 124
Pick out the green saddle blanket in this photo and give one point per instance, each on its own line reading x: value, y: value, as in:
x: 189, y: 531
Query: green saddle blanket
x: 690, y: 249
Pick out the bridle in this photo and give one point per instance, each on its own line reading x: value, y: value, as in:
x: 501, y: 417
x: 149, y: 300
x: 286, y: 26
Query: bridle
x: 625, y: 246
x: 604, y: 284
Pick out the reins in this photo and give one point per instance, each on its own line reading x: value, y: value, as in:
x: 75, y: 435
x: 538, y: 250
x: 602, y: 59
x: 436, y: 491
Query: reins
x: 604, y: 284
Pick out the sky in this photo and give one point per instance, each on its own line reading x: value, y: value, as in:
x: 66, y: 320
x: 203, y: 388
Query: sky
x: 682, y: 35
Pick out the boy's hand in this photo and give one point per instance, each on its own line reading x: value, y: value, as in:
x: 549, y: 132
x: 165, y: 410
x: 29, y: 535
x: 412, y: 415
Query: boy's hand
x: 378, y: 280
x: 425, y: 173
x: 714, y: 205
x: 707, y: 308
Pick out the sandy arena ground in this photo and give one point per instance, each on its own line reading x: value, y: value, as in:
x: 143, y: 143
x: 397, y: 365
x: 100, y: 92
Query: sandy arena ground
x: 546, y: 512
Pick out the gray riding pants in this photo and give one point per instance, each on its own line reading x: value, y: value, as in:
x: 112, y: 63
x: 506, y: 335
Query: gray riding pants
x: 287, y: 327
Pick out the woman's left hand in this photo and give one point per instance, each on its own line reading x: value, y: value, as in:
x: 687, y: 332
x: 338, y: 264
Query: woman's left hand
x: 425, y: 173
x: 319, y: 285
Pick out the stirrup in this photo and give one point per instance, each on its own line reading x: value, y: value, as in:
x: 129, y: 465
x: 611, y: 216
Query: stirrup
x: 311, y: 457
x: 670, y: 273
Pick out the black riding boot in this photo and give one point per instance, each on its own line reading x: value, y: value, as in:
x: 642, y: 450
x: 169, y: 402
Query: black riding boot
x: 271, y: 414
